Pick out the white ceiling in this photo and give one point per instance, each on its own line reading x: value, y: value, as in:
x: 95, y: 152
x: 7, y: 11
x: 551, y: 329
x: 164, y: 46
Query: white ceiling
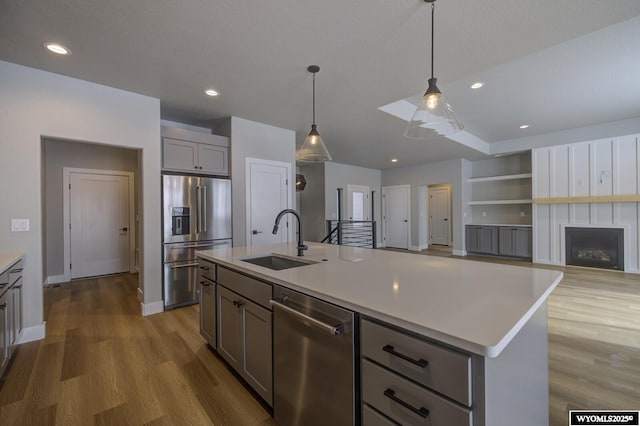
x: 553, y: 64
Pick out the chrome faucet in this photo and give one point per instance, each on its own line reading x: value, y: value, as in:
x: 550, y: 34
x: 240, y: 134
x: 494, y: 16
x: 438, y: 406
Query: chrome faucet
x: 301, y: 246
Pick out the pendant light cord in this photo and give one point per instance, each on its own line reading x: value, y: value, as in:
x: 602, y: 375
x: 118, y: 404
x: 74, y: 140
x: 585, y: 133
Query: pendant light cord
x: 433, y: 12
x: 314, y: 99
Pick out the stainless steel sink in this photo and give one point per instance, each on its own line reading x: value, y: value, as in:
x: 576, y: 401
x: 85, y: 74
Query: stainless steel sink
x: 276, y: 263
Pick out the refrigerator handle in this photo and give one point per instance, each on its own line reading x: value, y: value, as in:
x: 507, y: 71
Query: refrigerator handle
x: 203, y: 203
x: 198, y: 211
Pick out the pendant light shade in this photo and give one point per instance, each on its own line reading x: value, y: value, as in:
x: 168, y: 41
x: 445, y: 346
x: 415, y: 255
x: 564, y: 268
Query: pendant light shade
x: 433, y: 115
x: 313, y: 149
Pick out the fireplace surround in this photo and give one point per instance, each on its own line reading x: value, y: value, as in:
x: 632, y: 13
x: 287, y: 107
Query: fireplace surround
x: 595, y: 247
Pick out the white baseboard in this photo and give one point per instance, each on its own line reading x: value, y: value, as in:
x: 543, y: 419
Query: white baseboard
x: 546, y: 262
x: 152, y: 308
x: 459, y: 252
x: 414, y: 248
x: 140, y: 295
x: 31, y: 334
x: 55, y: 279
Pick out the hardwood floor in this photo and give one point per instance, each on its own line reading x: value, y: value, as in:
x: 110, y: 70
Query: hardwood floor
x: 102, y: 363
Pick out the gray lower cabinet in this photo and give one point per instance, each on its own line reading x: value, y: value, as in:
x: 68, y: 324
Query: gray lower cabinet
x: 511, y: 241
x: 207, y: 297
x: 208, y: 310
x: 407, y: 380
x: 11, y: 321
x: 482, y: 239
x: 245, y: 329
x: 514, y: 241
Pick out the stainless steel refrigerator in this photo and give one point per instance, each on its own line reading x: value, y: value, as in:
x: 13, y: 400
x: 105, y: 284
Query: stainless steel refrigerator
x: 196, y: 215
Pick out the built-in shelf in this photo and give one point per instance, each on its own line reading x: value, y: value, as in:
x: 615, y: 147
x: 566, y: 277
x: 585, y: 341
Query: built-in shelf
x: 490, y: 202
x: 503, y: 177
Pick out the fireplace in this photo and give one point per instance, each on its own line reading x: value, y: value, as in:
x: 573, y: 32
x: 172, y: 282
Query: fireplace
x: 595, y: 247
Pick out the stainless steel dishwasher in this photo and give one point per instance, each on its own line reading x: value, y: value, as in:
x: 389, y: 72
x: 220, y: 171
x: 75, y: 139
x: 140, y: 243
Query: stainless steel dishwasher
x: 314, y: 365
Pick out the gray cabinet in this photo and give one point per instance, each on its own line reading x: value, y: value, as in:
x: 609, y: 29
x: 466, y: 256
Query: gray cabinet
x: 482, y: 239
x: 10, y: 311
x: 511, y: 241
x: 245, y: 329
x: 207, y: 288
x: 514, y: 241
x: 194, y: 152
x: 439, y: 392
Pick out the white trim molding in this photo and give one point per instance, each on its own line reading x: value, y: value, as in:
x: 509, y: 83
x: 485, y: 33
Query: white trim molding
x: 55, y: 279
x: 151, y: 308
x: 31, y: 334
x: 459, y: 252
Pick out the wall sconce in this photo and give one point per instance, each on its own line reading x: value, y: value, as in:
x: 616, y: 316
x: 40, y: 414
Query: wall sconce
x: 301, y: 182
x: 604, y: 175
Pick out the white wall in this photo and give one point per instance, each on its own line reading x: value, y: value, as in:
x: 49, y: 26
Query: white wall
x: 255, y: 140
x: 337, y: 175
x: 576, y: 170
x: 36, y: 104
x: 419, y: 176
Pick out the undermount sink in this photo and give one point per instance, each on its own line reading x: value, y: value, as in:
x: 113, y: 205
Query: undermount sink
x: 277, y: 263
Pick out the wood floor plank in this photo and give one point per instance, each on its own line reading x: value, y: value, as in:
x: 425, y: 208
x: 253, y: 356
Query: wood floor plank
x: 15, y: 385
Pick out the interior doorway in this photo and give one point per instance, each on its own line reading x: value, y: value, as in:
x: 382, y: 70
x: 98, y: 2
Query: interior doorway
x: 98, y: 159
x: 267, y: 194
x: 396, y: 216
x: 440, y: 215
x: 358, y: 204
x: 99, y: 210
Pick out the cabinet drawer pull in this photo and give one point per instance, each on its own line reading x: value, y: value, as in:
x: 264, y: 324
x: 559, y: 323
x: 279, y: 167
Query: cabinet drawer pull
x: 3, y: 306
x: 420, y: 362
x: 204, y: 283
x: 422, y: 412
x: 237, y: 303
x: 205, y: 268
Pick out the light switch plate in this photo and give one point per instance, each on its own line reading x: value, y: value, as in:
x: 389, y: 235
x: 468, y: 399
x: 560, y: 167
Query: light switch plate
x: 19, y: 225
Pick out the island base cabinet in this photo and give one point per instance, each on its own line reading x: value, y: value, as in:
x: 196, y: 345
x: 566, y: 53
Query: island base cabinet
x: 245, y: 340
x: 208, y: 310
x: 407, y: 403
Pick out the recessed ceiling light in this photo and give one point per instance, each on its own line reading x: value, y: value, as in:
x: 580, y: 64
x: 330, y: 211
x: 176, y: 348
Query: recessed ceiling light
x: 211, y: 92
x: 394, y: 160
x: 477, y: 85
x: 57, y: 48
x: 524, y: 126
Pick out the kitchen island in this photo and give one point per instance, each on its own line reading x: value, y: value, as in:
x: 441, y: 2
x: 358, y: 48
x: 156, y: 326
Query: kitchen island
x: 486, y: 319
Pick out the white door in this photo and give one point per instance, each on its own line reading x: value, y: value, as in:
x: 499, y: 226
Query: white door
x: 396, y: 209
x: 267, y: 195
x: 439, y: 215
x: 99, y: 221
x: 358, y: 204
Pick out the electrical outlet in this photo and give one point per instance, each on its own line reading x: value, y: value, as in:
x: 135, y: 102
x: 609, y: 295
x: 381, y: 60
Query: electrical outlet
x: 484, y: 214
x: 521, y: 214
x: 19, y: 225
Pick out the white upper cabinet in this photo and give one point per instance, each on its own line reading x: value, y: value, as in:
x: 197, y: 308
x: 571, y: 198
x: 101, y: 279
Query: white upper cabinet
x: 194, y: 152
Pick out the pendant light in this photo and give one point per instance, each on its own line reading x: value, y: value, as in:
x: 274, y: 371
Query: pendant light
x: 433, y: 114
x: 313, y: 149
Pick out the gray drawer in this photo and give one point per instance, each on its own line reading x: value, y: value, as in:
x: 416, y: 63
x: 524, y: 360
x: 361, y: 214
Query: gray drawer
x: 370, y: 417
x: 392, y: 394
x: 447, y: 371
x: 245, y: 286
x: 207, y: 269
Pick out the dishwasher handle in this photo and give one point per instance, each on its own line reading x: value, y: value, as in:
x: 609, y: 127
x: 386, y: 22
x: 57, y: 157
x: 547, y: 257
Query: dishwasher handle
x: 336, y: 331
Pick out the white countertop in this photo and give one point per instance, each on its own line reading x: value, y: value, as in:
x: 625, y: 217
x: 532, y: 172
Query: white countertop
x: 8, y: 259
x: 472, y: 305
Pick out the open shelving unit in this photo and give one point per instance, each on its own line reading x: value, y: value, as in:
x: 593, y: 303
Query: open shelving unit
x: 501, y: 190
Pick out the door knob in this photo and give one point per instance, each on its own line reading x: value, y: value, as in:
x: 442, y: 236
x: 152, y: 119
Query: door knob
x: 255, y: 232
x: 446, y: 219
x: 405, y: 220
x: 124, y: 229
